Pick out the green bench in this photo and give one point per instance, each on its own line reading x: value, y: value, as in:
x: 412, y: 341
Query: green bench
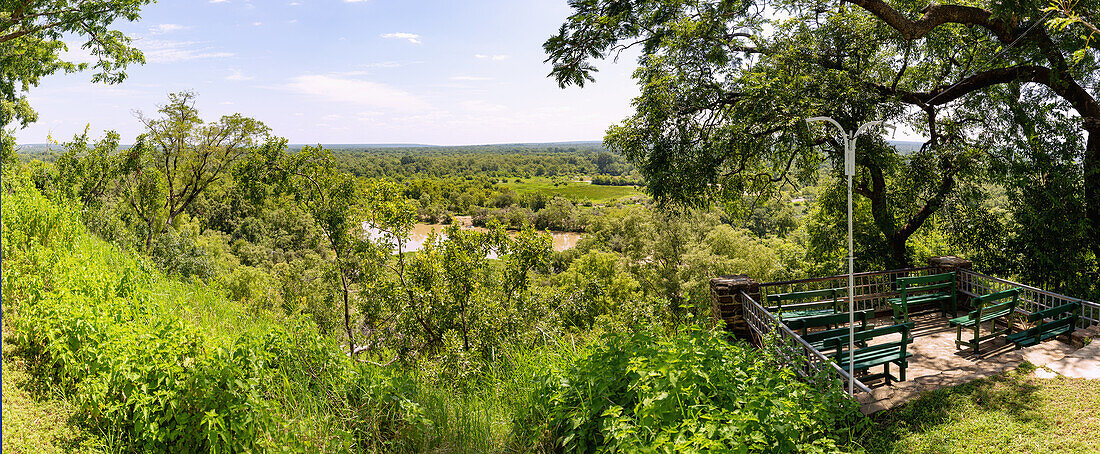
x: 1044, y: 330
x: 919, y: 290
x: 989, y: 308
x: 817, y: 338
x: 867, y: 356
x: 815, y: 302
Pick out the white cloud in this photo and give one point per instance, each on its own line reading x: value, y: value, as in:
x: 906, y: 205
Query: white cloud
x: 471, y: 78
x: 257, y: 24
x: 236, y: 74
x: 218, y: 1
x: 338, y: 88
x: 494, y: 57
x: 412, y: 37
x: 161, y: 29
x: 354, y: 1
x: 384, y: 64
x: 292, y: 21
x: 164, y: 51
x: 480, y: 106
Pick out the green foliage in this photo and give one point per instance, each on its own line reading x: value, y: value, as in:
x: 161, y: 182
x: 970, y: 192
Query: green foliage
x: 31, y: 39
x: 89, y: 173
x: 690, y: 392
x: 724, y: 91
x: 192, y: 154
x: 90, y: 325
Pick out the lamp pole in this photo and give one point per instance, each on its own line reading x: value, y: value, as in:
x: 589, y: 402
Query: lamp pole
x: 850, y: 170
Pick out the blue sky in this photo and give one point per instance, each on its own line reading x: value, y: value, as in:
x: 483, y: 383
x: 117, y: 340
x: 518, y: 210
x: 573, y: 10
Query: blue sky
x: 336, y: 71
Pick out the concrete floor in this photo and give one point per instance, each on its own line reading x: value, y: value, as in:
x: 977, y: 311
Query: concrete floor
x: 936, y: 363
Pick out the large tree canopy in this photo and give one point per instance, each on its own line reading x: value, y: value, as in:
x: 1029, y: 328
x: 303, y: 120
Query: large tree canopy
x: 726, y: 85
x: 32, y: 35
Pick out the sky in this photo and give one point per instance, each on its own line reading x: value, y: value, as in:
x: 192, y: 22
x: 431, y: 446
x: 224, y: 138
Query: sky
x: 346, y: 71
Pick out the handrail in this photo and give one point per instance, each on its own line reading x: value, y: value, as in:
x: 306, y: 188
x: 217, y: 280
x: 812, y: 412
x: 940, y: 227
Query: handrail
x: 1031, y: 297
x: 1025, y: 286
x: 872, y: 288
x: 814, y: 357
x: 844, y: 276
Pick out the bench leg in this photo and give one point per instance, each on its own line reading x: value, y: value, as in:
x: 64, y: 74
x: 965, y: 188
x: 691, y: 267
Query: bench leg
x: 977, y: 335
x: 886, y: 373
x: 902, y: 366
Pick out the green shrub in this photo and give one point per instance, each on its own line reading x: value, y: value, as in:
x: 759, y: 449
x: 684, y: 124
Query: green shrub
x: 690, y: 392
x: 91, y: 326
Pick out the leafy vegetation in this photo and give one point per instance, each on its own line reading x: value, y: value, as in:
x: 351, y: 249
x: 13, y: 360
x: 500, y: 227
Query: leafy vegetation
x: 690, y: 392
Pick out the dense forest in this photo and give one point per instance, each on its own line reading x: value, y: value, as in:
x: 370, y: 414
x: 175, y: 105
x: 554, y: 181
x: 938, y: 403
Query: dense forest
x: 206, y: 286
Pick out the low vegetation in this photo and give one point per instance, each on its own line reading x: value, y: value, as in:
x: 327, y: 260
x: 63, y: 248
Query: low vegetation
x: 1012, y: 412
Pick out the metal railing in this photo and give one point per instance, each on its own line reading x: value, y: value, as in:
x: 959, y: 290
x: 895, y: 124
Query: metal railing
x: 973, y: 283
x: 872, y: 288
x: 807, y: 361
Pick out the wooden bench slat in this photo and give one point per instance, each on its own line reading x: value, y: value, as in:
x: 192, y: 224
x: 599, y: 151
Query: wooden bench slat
x: 1048, y: 330
x: 922, y: 290
x: 988, y: 310
x: 829, y: 292
x: 884, y: 354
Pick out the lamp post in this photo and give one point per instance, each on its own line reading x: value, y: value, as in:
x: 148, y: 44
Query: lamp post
x: 850, y: 170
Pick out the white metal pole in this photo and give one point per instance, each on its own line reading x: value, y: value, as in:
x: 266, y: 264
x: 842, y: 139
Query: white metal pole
x: 850, y: 170
x: 851, y: 270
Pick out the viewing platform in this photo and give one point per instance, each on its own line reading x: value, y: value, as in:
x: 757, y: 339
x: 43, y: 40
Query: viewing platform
x: 805, y: 323
x: 937, y: 363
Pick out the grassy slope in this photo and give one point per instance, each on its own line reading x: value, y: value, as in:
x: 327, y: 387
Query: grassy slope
x: 33, y: 422
x: 1015, y: 412
x: 575, y: 190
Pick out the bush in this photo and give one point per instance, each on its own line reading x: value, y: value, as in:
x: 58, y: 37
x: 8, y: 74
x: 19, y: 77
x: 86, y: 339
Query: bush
x: 89, y: 324
x: 690, y: 392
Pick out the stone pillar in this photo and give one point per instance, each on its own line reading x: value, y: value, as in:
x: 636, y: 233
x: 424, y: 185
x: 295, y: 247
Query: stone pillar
x: 725, y: 292
x: 949, y: 263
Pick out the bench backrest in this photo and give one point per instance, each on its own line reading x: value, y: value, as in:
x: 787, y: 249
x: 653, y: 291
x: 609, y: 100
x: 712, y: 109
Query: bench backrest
x: 1073, y: 308
x: 831, y: 293
x: 921, y: 284
x: 985, y: 304
x: 818, y: 321
x: 841, y: 342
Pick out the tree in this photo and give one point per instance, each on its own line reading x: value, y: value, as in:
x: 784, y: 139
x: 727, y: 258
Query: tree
x: 31, y: 37
x: 191, y: 154
x: 329, y: 195
x: 88, y: 173
x: 724, y: 90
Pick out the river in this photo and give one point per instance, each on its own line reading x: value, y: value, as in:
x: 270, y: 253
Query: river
x: 420, y: 232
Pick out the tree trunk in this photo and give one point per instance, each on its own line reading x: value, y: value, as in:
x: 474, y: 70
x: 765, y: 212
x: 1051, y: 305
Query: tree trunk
x: 899, y: 257
x: 1092, y: 182
x: 347, y: 313
x: 465, y: 326
x: 896, y: 237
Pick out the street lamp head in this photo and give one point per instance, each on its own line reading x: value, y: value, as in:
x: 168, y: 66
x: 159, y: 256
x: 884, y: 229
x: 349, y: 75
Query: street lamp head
x: 826, y: 119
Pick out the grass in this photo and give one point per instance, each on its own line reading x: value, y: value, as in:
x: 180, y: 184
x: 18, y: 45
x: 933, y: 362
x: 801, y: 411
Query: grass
x: 35, y: 422
x: 1014, y: 412
x: 574, y: 190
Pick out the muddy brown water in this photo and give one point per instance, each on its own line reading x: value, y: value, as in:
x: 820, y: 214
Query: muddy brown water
x: 420, y: 233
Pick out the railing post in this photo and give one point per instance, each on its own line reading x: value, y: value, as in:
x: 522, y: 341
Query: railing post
x: 725, y: 292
